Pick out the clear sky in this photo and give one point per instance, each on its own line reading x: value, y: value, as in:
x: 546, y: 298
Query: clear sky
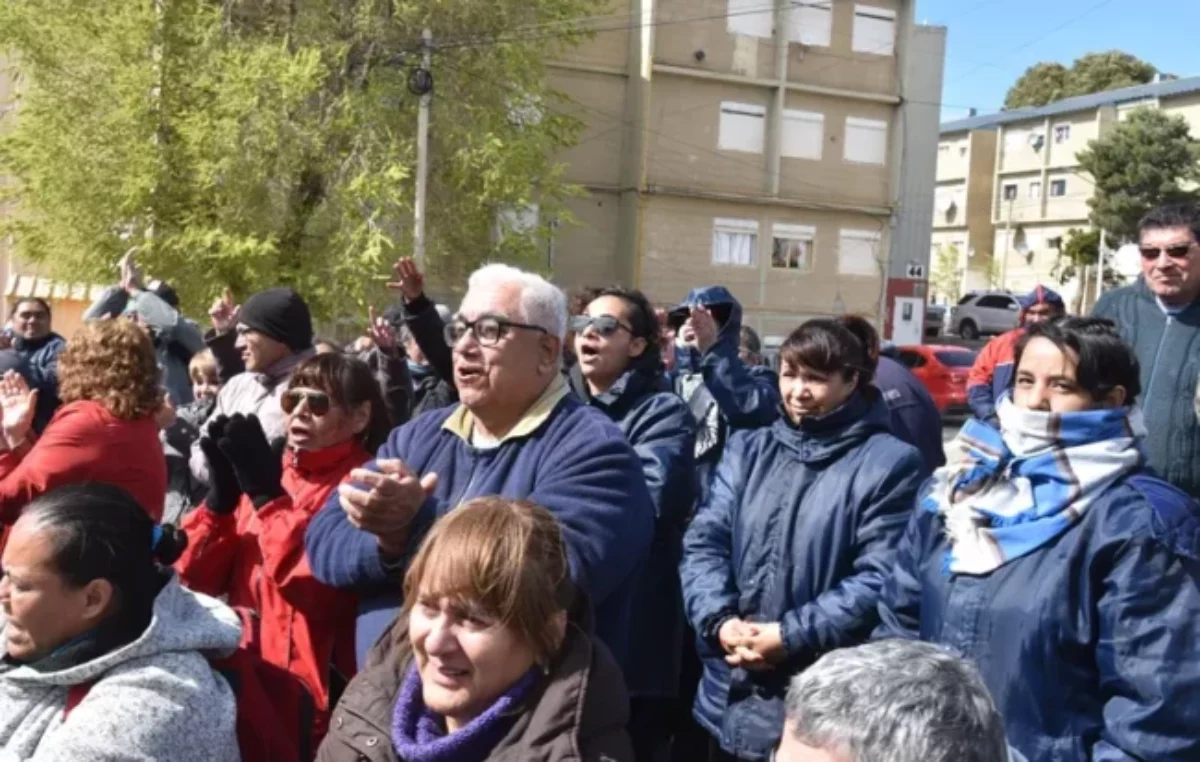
x: 990, y: 42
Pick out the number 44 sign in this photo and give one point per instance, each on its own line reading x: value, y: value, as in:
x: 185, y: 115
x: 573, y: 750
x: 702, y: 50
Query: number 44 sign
x: 915, y: 271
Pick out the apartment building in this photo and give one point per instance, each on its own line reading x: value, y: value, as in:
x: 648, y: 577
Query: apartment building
x: 774, y: 148
x: 1036, y: 191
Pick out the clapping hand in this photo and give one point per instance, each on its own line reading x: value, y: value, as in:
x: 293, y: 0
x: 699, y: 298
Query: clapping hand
x: 410, y: 282
x: 387, y: 507
x: 255, y: 463
x: 18, y: 403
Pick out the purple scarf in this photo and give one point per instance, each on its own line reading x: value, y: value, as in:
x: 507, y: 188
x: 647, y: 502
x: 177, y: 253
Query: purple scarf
x: 419, y: 735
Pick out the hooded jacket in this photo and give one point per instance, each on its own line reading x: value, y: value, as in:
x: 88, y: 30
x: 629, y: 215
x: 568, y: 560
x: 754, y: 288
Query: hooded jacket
x: 256, y: 560
x: 1089, y: 643
x: 662, y: 432
x: 724, y: 394
x: 800, y: 527
x: 914, y: 416
x: 992, y: 374
x: 155, y: 698
x: 39, y: 366
x: 1168, y: 350
x: 577, y: 713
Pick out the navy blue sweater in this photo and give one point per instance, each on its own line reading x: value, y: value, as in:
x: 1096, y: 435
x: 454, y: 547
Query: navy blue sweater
x: 570, y: 459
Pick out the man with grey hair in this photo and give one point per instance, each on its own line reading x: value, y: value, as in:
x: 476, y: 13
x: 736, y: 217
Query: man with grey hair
x: 517, y: 433
x: 891, y: 701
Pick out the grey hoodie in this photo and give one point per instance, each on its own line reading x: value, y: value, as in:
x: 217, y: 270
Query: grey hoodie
x: 153, y: 700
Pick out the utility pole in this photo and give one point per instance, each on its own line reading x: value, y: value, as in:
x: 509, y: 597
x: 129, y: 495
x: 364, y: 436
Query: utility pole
x: 422, y: 154
x: 1007, y: 245
x: 1100, y: 265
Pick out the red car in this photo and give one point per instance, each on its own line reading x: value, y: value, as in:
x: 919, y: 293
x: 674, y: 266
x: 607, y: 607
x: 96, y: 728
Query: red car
x: 943, y: 370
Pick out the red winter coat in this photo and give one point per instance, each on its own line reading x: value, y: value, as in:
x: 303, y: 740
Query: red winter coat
x: 256, y: 558
x: 84, y: 442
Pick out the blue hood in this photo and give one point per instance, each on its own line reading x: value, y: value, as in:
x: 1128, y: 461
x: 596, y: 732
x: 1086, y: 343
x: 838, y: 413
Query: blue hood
x: 729, y: 335
x: 817, y: 440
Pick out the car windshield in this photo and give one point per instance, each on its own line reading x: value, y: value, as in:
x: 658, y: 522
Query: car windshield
x: 956, y: 359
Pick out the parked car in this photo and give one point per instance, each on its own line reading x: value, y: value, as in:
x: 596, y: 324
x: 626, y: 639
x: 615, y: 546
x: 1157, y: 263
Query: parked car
x: 984, y: 313
x: 943, y: 370
x: 935, y: 320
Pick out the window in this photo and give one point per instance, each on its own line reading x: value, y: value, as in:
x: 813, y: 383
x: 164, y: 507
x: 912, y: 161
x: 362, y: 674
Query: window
x: 1058, y: 188
x: 812, y: 22
x: 956, y: 359
x: 944, y: 148
x: 734, y: 242
x: 1010, y: 191
x: 994, y: 302
x: 1062, y: 133
x: 525, y: 111
x: 791, y: 247
x: 803, y: 134
x: 753, y: 18
x: 866, y: 141
x: 857, y: 252
x: 742, y: 127
x: 874, y: 30
x: 1035, y: 190
x: 945, y: 199
x: 965, y: 299
x: 962, y: 150
x: 519, y: 220
x: 910, y: 359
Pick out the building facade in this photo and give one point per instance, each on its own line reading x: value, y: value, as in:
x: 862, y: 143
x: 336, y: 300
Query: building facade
x: 1035, y: 192
x: 777, y: 151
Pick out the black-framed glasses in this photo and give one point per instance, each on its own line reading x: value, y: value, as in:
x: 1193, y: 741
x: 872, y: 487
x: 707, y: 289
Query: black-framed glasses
x: 603, y: 325
x: 1150, y: 253
x: 487, y: 330
x: 318, y: 401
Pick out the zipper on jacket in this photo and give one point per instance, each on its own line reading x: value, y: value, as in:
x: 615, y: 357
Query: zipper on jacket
x: 1162, y: 340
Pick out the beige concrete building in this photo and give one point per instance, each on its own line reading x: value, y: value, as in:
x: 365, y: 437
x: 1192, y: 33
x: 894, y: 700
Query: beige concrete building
x: 764, y: 148
x: 1035, y: 191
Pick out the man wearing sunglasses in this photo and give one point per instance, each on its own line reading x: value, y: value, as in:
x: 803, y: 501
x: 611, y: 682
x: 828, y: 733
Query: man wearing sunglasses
x: 1160, y: 316
x: 517, y: 433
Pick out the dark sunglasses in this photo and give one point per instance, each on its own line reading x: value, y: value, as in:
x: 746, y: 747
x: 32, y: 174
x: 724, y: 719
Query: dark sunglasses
x: 1181, y: 251
x: 603, y: 325
x: 318, y: 402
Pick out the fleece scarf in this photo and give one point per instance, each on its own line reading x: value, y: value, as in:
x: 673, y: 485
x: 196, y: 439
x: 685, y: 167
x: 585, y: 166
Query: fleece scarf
x: 1012, y: 491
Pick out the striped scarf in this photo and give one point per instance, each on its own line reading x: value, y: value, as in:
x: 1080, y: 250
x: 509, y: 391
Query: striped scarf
x: 1011, y: 491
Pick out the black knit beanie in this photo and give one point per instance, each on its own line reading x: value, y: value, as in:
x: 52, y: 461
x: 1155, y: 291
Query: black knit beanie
x: 280, y: 314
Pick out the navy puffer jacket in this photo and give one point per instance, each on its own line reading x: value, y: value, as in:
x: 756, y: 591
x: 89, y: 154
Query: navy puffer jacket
x: 1089, y: 645
x: 800, y: 527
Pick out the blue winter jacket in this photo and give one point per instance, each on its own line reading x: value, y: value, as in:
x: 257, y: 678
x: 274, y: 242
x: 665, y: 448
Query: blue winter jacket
x: 800, y: 527
x: 563, y: 455
x: 723, y: 393
x: 39, y: 364
x: 1090, y: 645
x: 663, y: 434
x: 914, y: 416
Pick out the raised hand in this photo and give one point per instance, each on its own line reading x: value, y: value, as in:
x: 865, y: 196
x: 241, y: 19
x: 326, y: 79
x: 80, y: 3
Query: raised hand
x: 382, y: 332
x: 705, y: 327
x: 258, y: 469
x: 410, y: 282
x: 18, y: 403
x: 224, y: 491
x: 131, y: 274
x: 224, y: 313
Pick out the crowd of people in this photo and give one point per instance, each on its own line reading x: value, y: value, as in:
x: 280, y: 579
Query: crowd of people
x: 590, y: 529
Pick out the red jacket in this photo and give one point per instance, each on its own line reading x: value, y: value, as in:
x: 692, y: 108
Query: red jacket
x: 257, y: 560
x: 84, y: 442
x: 992, y: 374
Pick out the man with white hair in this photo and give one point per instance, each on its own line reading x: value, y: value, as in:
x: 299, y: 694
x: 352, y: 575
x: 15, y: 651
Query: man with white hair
x: 517, y: 433
x: 891, y: 701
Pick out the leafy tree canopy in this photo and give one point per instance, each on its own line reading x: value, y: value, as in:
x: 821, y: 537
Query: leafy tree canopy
x: 1047, y: 82
x: 260, y: 142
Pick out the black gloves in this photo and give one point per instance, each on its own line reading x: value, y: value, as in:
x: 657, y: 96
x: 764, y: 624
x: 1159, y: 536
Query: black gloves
x: 258, y: 468
x: 224, y: 492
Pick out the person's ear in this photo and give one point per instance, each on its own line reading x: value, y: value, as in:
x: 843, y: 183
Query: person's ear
x: 549, y: 351
x: 637, y: 347
x: 97, y: 599
x: 1116, y: 397
x: 360, y: 417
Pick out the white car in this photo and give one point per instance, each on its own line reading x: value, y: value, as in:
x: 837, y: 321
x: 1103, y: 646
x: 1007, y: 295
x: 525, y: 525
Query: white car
x: 986, y: 313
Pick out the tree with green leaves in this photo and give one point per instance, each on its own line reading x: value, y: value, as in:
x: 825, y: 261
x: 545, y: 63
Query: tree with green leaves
x: 945, y: 276
x: 1047, y: 82
x: 262, y: 142
x: 1143, y: 162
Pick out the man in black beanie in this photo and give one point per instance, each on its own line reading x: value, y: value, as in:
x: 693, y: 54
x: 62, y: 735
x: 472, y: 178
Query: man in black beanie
x: 273, y: 333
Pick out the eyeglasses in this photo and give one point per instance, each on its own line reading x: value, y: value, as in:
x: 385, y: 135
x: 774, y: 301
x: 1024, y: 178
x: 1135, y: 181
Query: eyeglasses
x: 487, y: 330
x: 1150, y: 253
x: 318, y: 402
x: 604, y: 325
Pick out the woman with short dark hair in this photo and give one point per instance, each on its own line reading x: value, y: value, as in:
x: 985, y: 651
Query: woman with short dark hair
x: 1048, y: 555
x: 783, y: 561
x: 104, y: 653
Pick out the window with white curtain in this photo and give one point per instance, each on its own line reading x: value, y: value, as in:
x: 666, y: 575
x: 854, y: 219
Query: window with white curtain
x: 803, y: 134
x: 734, y: 242
x: 1035, y: 190
x: 811, y: 22
x: 874, y: 30
x: 791, y: 246
x: 866, y: 141
x: 858, y: 252
x: 742, y: 127
x: 753, y: 18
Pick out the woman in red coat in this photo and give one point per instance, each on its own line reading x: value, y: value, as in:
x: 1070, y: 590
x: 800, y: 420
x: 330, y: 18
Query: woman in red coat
x: 246, y: 542
x: 105, y: 431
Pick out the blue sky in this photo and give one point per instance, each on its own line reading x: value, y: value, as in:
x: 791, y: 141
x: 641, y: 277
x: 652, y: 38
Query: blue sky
x: 990, y: 42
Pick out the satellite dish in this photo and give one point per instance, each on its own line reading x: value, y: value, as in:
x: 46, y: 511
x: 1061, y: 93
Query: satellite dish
x: 1037, y: 140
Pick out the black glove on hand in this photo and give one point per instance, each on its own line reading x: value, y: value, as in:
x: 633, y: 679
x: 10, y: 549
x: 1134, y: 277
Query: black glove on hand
x: 259, y: 470
x: 223, y: 489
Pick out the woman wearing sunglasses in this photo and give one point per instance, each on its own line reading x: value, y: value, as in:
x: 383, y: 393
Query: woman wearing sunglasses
x: 616, y: 343
x: 246, y: 542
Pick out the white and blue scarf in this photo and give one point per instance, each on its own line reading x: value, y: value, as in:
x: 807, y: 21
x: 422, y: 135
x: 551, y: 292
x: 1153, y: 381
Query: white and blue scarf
x: 1009, y: 492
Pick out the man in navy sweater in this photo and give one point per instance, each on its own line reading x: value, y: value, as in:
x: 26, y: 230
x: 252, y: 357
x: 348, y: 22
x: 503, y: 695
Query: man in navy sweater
x: 517, y: 433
